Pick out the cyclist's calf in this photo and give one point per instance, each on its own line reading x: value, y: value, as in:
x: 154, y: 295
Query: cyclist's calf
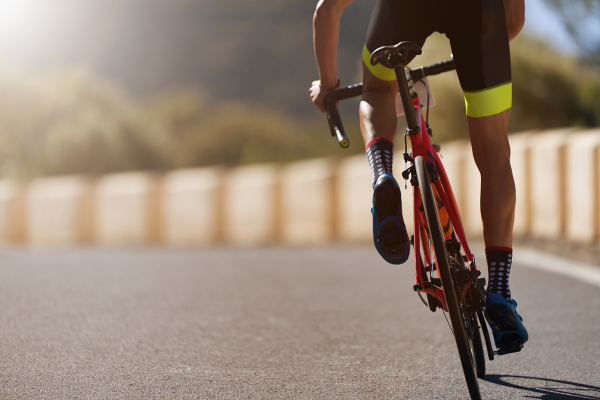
x: 491, y: 151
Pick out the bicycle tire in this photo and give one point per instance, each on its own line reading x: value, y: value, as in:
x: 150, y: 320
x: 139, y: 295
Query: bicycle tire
x: 443, y: 265
x: 477, y: 349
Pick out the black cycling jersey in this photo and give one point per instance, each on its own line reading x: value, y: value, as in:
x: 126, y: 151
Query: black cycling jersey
x: 478, y: 36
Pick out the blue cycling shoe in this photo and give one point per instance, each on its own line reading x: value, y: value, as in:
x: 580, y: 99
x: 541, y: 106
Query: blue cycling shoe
x: 389, y: 231
x: 506, y: 323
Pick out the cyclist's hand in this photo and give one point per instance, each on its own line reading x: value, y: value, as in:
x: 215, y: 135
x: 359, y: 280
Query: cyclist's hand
x: 317, y: 94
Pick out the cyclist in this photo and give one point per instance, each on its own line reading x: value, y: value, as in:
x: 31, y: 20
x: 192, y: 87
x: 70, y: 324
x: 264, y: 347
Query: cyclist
x: 479, y: 33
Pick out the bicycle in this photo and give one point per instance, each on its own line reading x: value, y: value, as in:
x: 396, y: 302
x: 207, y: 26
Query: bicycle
x: 457, y: 289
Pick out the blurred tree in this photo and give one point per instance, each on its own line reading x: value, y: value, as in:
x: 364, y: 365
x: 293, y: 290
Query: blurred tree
x: 194, y: 132
x: 550, y: 89
x: 71, y: 123
x: 582, y: 20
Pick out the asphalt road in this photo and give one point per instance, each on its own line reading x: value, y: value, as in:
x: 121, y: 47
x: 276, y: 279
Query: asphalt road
x: 273, y: 323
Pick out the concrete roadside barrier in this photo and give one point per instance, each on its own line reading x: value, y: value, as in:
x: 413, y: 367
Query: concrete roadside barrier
x: 354, y: 194
x: 128, y: 209
x: 192, y: 206
x: 60, y: 211
x: 548, y: 183
x: 521, y: 166
x: 252, y: 205
x: 583, y: 186
x: 12, y: 212
x: 308, y: 202
x: 311, y: 202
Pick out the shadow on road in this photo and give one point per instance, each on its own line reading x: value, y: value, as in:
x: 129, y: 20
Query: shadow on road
x: 549, y: 389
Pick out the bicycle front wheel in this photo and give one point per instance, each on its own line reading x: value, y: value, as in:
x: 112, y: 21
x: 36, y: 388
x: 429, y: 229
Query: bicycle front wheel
x: 443, y: 264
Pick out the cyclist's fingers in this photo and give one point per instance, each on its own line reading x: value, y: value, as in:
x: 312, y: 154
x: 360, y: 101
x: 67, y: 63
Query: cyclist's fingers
x: 318, y: 101
x: 318, y: 96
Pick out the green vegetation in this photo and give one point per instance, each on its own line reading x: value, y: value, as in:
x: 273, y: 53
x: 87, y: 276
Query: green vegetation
x: 550, y: 90
x: 71, y: 123
x: 580, y: 17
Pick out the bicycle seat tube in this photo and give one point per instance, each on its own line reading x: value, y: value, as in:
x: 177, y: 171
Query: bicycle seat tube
x: 405, y: 94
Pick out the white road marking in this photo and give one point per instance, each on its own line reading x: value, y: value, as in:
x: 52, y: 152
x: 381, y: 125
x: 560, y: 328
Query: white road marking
x: 573, y: 269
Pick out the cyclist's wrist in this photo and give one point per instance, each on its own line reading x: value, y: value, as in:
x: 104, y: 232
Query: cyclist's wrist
x: 329, y: 88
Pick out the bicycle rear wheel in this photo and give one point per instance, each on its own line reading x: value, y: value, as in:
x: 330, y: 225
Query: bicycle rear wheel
x: 436, y: 234
x: 476, y: 346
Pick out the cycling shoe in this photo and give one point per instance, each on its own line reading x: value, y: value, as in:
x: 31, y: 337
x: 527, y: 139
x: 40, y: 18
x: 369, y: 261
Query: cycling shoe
x: 506, y: 323
x: 389, y: 231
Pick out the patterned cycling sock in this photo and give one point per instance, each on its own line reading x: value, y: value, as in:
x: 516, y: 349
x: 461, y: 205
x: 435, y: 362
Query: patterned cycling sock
x: 499, y: 260
x: 380, y: 153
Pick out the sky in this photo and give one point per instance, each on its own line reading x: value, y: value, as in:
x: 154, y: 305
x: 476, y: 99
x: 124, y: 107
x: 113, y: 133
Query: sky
x: 542, y: 21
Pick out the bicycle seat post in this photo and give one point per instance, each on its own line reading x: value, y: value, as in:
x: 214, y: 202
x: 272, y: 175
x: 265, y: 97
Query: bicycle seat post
x: 397, y: 57
x: 411, y: 117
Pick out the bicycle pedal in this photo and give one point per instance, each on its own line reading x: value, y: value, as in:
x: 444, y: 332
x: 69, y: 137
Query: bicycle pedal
x: 393, y: 243
x: 511, y: 344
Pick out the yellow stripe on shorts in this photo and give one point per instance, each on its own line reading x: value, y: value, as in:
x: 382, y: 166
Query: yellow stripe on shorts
x: 486, y: 102
x: 379, y: 71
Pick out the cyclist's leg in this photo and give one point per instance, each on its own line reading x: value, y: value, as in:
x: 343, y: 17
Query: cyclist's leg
x: 378, y: 126
x: 480, y: 45
x: 491, y: 152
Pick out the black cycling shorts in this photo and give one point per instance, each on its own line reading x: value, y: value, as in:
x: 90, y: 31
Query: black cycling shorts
x: 477, y: 33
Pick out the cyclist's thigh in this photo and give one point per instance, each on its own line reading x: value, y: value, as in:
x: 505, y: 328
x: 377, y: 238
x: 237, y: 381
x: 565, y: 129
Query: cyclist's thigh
x: 394, y: 21
x: 479, y: 40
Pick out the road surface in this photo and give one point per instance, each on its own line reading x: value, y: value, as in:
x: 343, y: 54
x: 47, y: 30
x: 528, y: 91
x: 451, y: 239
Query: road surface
x: 271, y: 323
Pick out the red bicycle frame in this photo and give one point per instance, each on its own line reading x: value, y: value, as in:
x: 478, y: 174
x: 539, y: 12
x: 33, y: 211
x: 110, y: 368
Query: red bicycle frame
x: 421, y: 146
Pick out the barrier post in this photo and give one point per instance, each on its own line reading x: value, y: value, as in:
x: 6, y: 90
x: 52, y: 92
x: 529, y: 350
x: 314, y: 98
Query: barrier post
x: 252, y: 205
x: 548, y: 183
x: 583, y: 186
x: 12, y: 212
x: 60, y: 211
x: 192, y: 206
x: 128, y: 210
x: 308, y: 201
x: 354, y: 194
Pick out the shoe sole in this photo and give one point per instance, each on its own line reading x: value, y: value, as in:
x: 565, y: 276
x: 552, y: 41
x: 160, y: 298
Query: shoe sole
x: 386, y: 204
x: 387, y: 198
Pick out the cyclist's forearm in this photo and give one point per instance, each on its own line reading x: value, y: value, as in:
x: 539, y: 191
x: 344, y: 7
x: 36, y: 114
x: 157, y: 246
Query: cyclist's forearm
x: 326, y: 28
